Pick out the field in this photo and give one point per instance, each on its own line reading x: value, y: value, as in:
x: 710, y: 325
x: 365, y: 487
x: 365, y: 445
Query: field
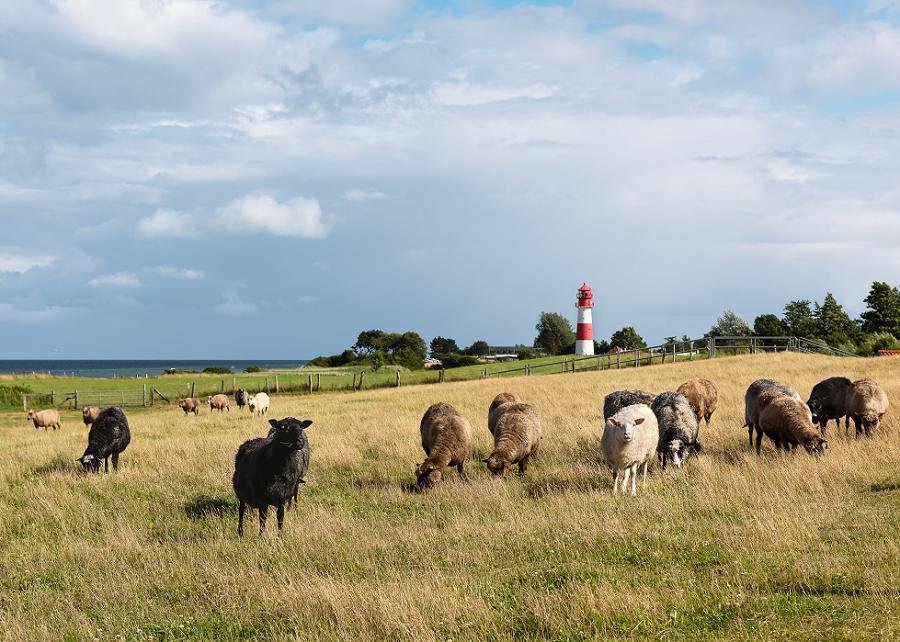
x: 734, y: 547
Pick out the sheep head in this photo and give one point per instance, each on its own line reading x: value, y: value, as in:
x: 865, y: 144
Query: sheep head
x: 90, y: 463
x: 427, y: 475
x: 497, y: 465
x: 816, y: 446
x: 30, y: 415
x: 288, y: 432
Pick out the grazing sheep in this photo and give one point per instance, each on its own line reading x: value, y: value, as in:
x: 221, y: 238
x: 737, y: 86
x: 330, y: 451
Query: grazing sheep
x: 517, y: 438
x: 615, y: 401
x: 218, y: 402
x: 44, y: 418
x: 446, y: 440
x: 499, y: 400
x: 258, y: 403
x: 629, y: 440
x: 108, y: 437
x: 758, y: 394
x: 786, y: 421
x: 191, y: 404
x: 240, y: 398
x: 866, y: 405
x: 828, y: 400
x: 677, y: 427
x: 89, y: 414
x: 268, y: 471
x: 703, y: 395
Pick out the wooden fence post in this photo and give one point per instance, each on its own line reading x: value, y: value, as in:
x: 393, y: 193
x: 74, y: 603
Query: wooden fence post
x: 52, y: 397
x: 144, y: 395
x: 318, y: 381
x: 711, y: 347
x: 484, y: 373
x: 76, y: 398
x: 192, y: 389
x: 691, y: 352
x: 309, y: 382
x: 361, y: 374
x: 398, y: 378
x: 276, y: 383
x: 222, y: 386
x: 267, y: 385
x: 233, y: 386
x: 24, y: 403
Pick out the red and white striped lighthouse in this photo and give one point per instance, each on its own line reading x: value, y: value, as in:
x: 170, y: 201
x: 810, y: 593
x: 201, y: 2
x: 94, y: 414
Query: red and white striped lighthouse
x: 584, y: 332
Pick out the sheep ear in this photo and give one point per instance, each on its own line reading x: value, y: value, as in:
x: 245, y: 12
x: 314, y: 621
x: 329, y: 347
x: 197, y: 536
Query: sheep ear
x: 306, y: 423
x: 638, y: 421
x: 273, y: 422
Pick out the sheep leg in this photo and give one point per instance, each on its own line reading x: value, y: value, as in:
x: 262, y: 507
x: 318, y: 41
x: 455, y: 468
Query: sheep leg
x: 263, y: 515
x: 106, y: 465
x: 241, y: 508
x: 634, y: 473
x: 523, y: 465
x: 280, y: 515
x: 858, y: 424
x: 750, y: 435
x: 646, y: 463
x: 616, y: 474
x: 625, y: 475
x: 115, y: 461
x: 758, y: 442
x: 459, y: 471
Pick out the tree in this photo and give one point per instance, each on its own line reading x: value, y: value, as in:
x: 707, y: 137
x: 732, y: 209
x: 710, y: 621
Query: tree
x: 769, y: 325
x: 478, y: 348
x: 670, y: 341
x: 554, y: 332
x: 602, y: 346
x: 883, y: 309
x: 799, y: 319
x: 835, y: 325
x: 369, y: 341
x: 440, y: 345
x: 627, y: 338
x: 377, y: 359
x: 729, y: 324
x: 407, y: 349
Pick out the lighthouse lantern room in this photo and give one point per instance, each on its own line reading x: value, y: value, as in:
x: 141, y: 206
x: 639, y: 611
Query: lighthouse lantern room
x: 584, y: 333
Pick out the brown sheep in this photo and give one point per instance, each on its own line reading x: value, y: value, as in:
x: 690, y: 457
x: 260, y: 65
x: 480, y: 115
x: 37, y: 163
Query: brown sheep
x: 44, y: 418
x: 89, y: 414
x: 218, y: 402
x: 446, y: 440
x: 190, y: 404
x: 866, y: 405
x: 786, y: 421
x: 517, y: 438
x: 499, y: 400
x: 702, y: 395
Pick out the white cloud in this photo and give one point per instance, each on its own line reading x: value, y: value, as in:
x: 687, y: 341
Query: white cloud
x: 186, y: 274
x: 361, y: 195
x: 233, y: 306
x: 20, y: 260
x: 119, y: 280
x: 167, y: 224
x: 17, y: 314
x: 300, y: 217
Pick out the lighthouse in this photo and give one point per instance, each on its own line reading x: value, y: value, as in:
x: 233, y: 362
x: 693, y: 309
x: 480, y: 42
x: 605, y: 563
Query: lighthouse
x: 584, y: 332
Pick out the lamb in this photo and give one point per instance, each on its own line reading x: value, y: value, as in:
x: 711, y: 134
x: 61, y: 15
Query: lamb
x: 108, y: 437
x: 446, y: 440
x: 615, y: 401
x: 517, y: 438
x: 630, y: 438
x: 268, y: 471
x: 44, y: 418
x: 787, y: 422
x: 758, y: 395
x: 866, y: 404
x: 703, y: 395
x: 89, y: 414
x: 218, y: 402
x: 677, y: 425
x: 828, y: 400
x: 240, y: 398
x: 499, y: 400
x: 258, y: 403
x: 191, y: 404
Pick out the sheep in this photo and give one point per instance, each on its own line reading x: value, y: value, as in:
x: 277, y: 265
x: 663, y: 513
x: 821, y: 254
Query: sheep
x: 866, y: 405
x: 89, y: 414
x: 517, y: 438
x: 703, y: 395
x: 615, y: 401
x: 240, y: 398
x: 258, y: 403
x: 44, y: 418
x: 499, y: 400
x: 268, y: 471
x: 191, y: 404
x: 756, y: 398
x: 630, y: 438
x: 828, y: 400
x: 108, y: 437
x: 677, y: 427
x: 787, y: 422
x: 446, y: 440
x: 218, y: 402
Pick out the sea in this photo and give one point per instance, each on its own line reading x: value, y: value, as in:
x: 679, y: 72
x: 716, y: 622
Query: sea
x: 135, y: 368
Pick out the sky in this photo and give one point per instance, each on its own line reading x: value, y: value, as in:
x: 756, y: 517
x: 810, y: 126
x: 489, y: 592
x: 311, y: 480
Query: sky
x: 265, y: 178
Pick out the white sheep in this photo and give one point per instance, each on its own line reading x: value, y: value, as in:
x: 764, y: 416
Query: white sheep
x: 629, y: 440
x: 258, y: 403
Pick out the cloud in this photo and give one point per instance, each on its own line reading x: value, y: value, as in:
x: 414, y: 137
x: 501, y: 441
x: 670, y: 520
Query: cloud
x: 119, y: 280
x: 20, y: 260
x: 185, y: 274
x: 361, y: 195
x: 167, y: 224
x: 233, y: 306
x: 14, y: 313
x: 300, y: 217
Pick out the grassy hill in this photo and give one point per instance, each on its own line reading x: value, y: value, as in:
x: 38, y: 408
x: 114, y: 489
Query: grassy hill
x: 734, y: 547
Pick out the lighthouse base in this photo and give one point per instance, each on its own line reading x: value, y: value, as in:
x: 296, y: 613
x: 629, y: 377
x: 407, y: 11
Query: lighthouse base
x: 584, y: 348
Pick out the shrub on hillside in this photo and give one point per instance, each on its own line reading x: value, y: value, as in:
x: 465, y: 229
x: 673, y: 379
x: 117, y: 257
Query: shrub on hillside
x: 12, y: 395
x: 526, y: 353
x: 217, y: 370
x: 457, y: 360
x: 253, y: 369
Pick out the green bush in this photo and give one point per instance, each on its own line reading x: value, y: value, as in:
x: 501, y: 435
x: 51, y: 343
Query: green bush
x: 217, y: 370
x: 252, y: 369
x: 457, y: 360
x: 12, y: 395
x: 526, y: 353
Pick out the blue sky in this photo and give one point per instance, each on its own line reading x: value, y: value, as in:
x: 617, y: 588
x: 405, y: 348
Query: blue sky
x: 243, y: 179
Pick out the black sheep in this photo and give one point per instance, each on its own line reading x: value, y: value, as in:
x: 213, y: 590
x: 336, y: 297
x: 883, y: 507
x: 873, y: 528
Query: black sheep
x: 268, y: 471
x: 828, y: 400
x: 109, y: 436
x: 240, y: 397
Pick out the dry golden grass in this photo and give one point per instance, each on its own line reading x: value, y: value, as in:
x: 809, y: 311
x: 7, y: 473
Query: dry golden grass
x: 733, y: 547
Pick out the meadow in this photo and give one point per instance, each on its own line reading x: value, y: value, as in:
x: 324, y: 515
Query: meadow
x: 732, y: 547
